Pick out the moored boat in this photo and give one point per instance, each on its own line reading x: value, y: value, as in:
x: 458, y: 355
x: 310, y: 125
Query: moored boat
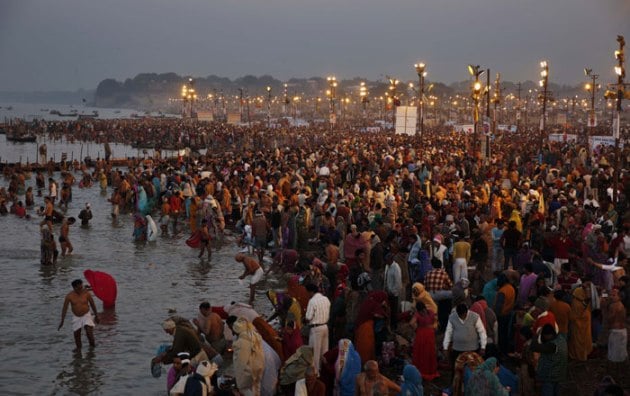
x: 27, y: 138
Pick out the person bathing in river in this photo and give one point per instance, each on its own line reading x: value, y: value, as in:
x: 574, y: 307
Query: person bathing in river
x: 80, y: 301
x: 205, y: 239
x: 253, y: 272
x: 64, y: 237
x: 85, y: 215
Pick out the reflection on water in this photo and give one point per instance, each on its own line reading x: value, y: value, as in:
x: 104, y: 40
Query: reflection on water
x: 107, y: 317
x: 81, y: 376
x: 151, y: 277
x: 28, y: 152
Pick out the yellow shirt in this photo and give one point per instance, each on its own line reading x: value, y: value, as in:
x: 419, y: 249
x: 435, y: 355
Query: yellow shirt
x: 461, y: 249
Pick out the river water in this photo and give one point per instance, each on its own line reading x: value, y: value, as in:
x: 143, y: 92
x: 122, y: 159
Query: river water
x: 153, y: 278
x: 13, y: 152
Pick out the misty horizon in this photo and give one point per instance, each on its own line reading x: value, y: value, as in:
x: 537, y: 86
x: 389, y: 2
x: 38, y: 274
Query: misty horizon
x: 73, y: 44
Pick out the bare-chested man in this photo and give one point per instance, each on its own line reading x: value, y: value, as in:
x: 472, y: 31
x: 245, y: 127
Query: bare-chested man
x: 371, y: 379
x: 253, y: 272
x: 618, y: 337
x: 48, y: 214
x: 80, y: 301
x: 211, y: 326
x: 64, y: 238
x: 205, y: 239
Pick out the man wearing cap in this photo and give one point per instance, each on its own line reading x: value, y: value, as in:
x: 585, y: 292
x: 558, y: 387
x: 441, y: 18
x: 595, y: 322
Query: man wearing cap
x: 178, y: 373
x: 184, y: 340
x: 437, y: 249
x: 85, y: 215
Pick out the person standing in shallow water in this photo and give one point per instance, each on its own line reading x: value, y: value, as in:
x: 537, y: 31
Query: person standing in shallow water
x: 80, y: 301
x: 64, y: 238
x: 205, y: 239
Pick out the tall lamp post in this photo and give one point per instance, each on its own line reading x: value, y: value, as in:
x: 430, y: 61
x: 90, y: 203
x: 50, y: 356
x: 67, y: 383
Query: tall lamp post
x: 544, y: 73
x: 592, y: 88
x: 184, y: 99
x: 496, y: 99
x: 332, y: 92
x: 620, y: 71
x: 287, y: 101
x: 392, y: 87
x: 420, y: 69
x: 476, y: 72
x: 268, y: 106
x: 363, y: 94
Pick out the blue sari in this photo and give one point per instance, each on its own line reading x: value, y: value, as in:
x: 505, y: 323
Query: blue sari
x: 413, y: 382
x: 351, y: 368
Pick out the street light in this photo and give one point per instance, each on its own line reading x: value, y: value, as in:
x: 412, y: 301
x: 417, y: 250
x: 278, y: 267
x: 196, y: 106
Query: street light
x: 363, y: 94
x: 332, y: 92
x: 592, y: 88
x: 184, y: 99
x: 392, y: 87
x: 286, y: 98
x: 496, y: 99
x: 420, y: 70
x: 268, y: 106
x: 621, y: 74
x: 475, y: 71
x: 544, y: 73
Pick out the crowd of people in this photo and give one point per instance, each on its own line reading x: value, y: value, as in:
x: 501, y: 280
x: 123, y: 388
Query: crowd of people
x: 402, y: 257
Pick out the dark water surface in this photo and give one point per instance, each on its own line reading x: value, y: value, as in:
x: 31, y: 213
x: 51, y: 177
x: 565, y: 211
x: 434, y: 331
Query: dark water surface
x: 152, y: 278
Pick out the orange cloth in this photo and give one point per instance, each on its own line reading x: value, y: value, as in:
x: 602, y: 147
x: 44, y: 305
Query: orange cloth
x: 364, y: 341
x: 269, y: 335
x: 580, y: 340
x: 297, y: 291
x: 510, y: 298
x: 562, y: 312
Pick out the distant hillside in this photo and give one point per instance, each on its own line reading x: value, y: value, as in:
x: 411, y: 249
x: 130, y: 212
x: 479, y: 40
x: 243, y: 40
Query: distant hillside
x: 49, y: 97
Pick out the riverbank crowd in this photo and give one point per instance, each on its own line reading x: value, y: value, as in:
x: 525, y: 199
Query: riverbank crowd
x: 413, y: 266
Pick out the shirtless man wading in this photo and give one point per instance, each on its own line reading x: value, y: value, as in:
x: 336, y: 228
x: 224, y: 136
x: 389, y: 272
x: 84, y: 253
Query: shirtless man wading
x: 253, y: 273
x: 80, y: 300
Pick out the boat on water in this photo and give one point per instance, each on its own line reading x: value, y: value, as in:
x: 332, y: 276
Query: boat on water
x: 27, y: 138
x: 72, y: 113
x: 90, y: 116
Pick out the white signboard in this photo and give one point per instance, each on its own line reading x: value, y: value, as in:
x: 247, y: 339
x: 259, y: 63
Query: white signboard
x: 465, y: 128
x: 406, y: 120
x: 205, y: 116
x: 561, y: 118
x: 234, y: 118
x: 595, y: 141
x: 562, y: 137
x: 507, y: 128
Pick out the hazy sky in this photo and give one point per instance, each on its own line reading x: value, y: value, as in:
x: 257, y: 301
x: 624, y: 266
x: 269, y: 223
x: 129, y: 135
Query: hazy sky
x: 71, y: 44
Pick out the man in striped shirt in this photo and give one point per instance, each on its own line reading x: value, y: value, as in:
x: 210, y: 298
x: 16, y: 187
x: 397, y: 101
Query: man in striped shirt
x: 317, y: 315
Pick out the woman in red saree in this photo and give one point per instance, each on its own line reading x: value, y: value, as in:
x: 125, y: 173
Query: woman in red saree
x: 424, y: 355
